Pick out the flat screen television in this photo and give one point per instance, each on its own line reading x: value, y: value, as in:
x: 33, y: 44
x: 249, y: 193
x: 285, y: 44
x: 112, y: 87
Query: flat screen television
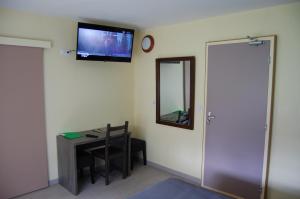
x: 104, y: 43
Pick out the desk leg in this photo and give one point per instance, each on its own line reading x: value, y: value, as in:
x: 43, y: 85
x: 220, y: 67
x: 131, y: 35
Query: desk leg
x: 67, y: 167
x: 129, y: 156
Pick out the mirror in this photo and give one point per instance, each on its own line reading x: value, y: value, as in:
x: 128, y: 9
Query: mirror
x: 175, y: 91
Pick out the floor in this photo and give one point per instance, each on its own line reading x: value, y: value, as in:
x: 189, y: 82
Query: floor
x: 141, y: 178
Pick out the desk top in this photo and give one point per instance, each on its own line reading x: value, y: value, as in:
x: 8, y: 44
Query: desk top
x: 101, y: 133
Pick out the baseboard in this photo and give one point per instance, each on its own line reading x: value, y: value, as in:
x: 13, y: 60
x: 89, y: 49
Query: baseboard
x: 185, y: 177
x: 53, y: 182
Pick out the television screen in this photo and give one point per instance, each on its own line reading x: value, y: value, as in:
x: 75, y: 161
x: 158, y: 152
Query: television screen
x: 104, y: 43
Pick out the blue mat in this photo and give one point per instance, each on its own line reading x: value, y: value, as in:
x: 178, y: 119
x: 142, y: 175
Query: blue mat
x: 176, y: 189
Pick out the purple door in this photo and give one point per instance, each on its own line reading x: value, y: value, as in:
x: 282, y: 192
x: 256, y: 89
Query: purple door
x: 23, y: 153
x: 237, y: 98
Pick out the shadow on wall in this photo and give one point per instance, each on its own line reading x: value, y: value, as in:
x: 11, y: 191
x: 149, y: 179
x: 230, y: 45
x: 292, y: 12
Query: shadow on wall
x: 283, y: 193
x: 136, y: 131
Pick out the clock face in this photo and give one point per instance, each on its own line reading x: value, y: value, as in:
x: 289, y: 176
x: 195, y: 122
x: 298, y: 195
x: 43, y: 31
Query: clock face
x: 147, y: 43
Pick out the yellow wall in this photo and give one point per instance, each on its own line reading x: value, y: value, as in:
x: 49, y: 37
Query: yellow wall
x: 181, y: 149
x: 82, y: 95
x: 79, y: 95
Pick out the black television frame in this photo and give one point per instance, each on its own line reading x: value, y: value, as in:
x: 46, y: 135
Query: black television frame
x: 105, y: 28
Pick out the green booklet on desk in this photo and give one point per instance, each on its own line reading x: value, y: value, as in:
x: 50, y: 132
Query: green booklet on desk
x: 72, y: 135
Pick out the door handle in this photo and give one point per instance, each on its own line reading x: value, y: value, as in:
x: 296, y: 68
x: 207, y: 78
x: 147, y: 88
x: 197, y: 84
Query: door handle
x: 210, y: 117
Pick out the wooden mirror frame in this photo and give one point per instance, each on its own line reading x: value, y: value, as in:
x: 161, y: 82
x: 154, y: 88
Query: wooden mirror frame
x: 192, y: 91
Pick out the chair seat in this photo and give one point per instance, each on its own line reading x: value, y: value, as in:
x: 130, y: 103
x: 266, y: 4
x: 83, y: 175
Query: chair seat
x: 137, y: 145
x: 114, y: 152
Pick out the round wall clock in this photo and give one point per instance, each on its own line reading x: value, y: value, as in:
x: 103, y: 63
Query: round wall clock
x: 147, y: 43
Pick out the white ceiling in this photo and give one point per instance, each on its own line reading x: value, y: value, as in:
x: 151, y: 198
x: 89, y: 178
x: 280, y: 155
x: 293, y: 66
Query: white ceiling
x: 138, y: 13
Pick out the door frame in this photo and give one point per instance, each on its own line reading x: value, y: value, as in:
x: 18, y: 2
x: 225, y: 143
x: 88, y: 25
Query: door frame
x: 272, y: 39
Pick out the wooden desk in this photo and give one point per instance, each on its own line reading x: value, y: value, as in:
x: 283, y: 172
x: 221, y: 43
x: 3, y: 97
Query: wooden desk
x: 66, y: 153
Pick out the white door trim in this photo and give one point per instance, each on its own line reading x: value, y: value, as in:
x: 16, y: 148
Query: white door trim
x: 24, y: 42
x: 272, y: 39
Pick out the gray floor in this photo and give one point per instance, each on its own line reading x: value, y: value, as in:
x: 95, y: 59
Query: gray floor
x: 141, y: 178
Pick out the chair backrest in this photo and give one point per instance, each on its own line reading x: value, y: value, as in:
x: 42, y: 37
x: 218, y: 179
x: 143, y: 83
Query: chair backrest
x: 121, y: 139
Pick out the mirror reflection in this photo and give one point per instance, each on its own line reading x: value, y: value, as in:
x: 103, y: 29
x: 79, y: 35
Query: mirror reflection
x: 175, y: 91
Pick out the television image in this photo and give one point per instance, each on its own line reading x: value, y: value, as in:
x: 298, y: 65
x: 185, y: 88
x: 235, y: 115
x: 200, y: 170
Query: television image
x: 104, y: 43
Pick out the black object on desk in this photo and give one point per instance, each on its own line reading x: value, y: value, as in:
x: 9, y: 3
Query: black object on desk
x: 91, y: 136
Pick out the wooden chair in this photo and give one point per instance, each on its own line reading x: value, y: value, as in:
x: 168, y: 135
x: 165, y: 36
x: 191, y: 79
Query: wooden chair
x: 85, y: 159
x: 115, y: 148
